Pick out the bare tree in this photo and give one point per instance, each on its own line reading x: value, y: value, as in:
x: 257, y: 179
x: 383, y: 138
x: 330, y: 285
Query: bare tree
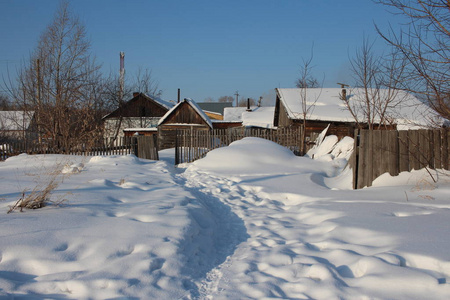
x: 305, y: 82
x: 144, y: 82
x: 244, y: 101
x: 309, y: 82
x: 4, y: 102
x: 377, y: 79
x: 226, y: 99
x: 60, y: 83
x: 424, y: 42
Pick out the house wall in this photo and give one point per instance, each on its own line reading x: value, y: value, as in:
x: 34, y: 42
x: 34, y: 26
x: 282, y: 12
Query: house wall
x: 226, y: 125
x: 283, y: 117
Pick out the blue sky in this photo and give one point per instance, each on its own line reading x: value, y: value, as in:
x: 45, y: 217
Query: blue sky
x: 207, y: 48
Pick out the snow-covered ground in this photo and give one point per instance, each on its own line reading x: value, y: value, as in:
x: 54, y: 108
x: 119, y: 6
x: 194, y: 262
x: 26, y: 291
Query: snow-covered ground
x: 249, y: 221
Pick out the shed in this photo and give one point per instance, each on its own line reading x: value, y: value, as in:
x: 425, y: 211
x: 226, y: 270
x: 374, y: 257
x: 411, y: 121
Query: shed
x: 185, y: 115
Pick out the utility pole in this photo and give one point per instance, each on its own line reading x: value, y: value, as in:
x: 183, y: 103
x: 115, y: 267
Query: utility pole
x: 237, y: 96
x: 121, y: 76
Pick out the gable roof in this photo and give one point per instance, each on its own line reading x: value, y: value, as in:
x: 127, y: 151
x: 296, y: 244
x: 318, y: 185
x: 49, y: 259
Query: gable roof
x: 327, y: 106
x: 163, y: 104
x: 191, y: 103
x: 15, y: 120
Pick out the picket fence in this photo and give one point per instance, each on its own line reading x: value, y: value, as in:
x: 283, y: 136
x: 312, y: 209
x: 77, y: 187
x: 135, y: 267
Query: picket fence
x: 119, y: 146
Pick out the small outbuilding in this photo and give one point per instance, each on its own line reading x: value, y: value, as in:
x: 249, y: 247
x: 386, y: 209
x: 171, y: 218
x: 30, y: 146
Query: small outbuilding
x: 185, y: 115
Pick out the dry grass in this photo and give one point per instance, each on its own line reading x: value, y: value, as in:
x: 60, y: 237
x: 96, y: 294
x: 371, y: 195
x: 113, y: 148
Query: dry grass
x: 39, y: 197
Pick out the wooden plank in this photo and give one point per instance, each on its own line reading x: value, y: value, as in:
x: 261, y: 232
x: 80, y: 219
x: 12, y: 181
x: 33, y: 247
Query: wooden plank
x: 423, y: 149
x: 353, y: 162
x: 403, y: 149
x: 393, y: 150
x: 374, y: 156
x: 413, y: 146
x: 445, y: 142
x: 437, y: 149
x: 362, y: 162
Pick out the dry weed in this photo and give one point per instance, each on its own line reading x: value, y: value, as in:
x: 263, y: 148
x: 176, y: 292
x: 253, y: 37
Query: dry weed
x: 37, y: 198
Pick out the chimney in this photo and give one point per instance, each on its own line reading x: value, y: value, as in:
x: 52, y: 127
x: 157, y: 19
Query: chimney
x: 135, y: 94
x: 343, y: 95
x: 248, y: 104
x: 179, y: 93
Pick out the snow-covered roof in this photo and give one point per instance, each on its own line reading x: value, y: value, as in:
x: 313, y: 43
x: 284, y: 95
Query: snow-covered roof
x: 233, y: 114
x: 257, y: 117
x: 408, y: 112
x: 15, y: 120
x: 194, y: 105
x: 164, y: 103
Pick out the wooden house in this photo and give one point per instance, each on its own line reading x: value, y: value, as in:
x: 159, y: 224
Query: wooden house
x: 326, y: 108
x: 140, y: 115
x: 185, y: 115
x: 17, y: 125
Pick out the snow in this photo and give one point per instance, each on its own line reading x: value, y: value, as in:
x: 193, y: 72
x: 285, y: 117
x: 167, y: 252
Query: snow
x: 409, y: 113
x: 258, y: 116
x: 249, y: 221
x: 163, y: 103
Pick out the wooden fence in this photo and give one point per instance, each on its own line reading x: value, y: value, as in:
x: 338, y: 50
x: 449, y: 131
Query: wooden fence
x: 380, y: 151
x: 146, y: 147
x: 191, y: 145
x: 139, y: 146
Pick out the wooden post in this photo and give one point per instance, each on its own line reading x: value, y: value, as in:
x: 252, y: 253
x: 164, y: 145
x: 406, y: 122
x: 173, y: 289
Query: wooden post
x: 354, y: 159
x: 445, y: 142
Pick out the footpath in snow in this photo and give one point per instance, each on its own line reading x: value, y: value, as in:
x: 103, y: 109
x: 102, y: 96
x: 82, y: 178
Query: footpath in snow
x: 249, y: 221
x: 309, y: 240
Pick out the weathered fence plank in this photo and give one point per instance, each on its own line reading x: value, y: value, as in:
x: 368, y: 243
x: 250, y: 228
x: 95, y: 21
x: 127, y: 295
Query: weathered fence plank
x: 362, y: 162
x: 392, y: 151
